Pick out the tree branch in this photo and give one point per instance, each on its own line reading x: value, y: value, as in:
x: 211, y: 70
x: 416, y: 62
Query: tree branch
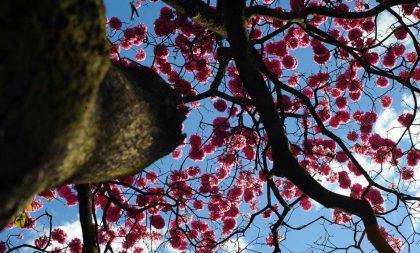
x: 84, y: 196
x: 201, y: 13
x: 284, y: 161
x: 60, y: 123
x: 260, y: 10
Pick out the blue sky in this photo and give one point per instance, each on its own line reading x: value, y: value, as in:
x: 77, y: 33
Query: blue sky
x: 297, y: 241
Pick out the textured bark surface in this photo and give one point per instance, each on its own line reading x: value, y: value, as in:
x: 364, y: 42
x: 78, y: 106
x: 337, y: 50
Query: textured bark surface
x: 58, y: 122
x: 53, y: 59
x: 137, y: 123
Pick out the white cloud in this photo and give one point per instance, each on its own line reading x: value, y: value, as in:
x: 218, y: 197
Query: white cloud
x: 408, y: 107
x: 387, y: 125
x: 386, y: 23
x: 236, y: 245
x: 72, y: 229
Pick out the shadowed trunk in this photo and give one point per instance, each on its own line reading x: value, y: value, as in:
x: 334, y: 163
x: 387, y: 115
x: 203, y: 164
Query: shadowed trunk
x: 59, y: 122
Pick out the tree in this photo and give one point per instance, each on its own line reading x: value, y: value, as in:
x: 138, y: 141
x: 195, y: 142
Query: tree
x: 278, y: 132
x: 67, y: 115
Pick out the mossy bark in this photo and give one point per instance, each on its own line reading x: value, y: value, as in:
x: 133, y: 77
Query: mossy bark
x: 53, y: 59
x: 59, y: 122
x: 137, y: 122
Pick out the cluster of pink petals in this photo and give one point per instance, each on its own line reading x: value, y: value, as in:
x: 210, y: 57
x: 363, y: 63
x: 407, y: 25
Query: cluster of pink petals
x: 321, y: 53
x: 405, y: 119
x: 115, y: 23
x: 340, y: 217
x: 66, y: 193
x: 59, y: 235
x: 396, y: 243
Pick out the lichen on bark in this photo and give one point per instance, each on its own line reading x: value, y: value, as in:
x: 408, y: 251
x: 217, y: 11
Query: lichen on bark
x: 53, y: 59
x: 59, y: 123
x: 137, y: 123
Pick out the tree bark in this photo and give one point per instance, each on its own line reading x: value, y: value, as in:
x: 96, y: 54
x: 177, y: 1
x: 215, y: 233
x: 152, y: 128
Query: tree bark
x: 84, y: 196
x: 59, y: 122
x: 285, y: 164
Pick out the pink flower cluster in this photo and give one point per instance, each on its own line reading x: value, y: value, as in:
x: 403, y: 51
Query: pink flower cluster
x: 134, y: 36
x: 405, y: 119
x: 366, y: 120
x: 321, y: 53
x: 341, y: 217
x: 66, y: 193
x: 41, y: 242
x: 75, y: 245
x: 59, y: 235
x: 115, y: 23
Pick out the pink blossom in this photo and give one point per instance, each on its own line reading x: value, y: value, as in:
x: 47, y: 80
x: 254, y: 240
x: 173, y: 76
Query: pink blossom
x: 408, y: 9
x: 407, y: 173
x: 382, y: 82
x: 249, y: 153
x: 236, y: 87
x: 344, y: 180
x: 197, y: 154
x: 41, y: 242
x: 305, y: 203
x: 232, y: 212
x: 341, y: 156
x: 413, y: 158
x: 66, y: 193
x: 48, y: 195
x: 199, y: 225
x: 3, y: 247
x: 405, y: 119
x: 115, y: 23
x: 356, y: 191
x: 355, y: 33
x: 198, y: 204
x: 341, y: 103
x: 59, y: 235
x: 177, y: 154
x: 193, y: 171
x: 75, y: 246
x: 235, y: 193
x: 113, y: 213
x: 293, y: 80
x: 164, y: 25
x: 341, y: 217
x: 289, y: 62
x: 374, y: 196
x: 152, y: 176
x: 352, y: 136
x: 400, y: 33
x: 368, y: 25
x: 228, y: 225
x: 386, y: 101
x: 372, y: 58
x: 277, y: 48
x: 157, y: 221
x: 138, y: 250
x: 195, y: 141
x: 389, y: 60
x: 397, y: 49
x: 141, y: 55
x: 411, y: 57
x: 296, y: 5
x: 220, y: 105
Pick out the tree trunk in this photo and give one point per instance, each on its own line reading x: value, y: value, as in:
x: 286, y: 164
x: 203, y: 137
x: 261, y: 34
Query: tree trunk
x: 59, y: 122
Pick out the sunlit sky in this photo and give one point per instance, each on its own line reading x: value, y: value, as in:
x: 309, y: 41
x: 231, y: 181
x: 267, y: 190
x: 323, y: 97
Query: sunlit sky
x: 297, y: 241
